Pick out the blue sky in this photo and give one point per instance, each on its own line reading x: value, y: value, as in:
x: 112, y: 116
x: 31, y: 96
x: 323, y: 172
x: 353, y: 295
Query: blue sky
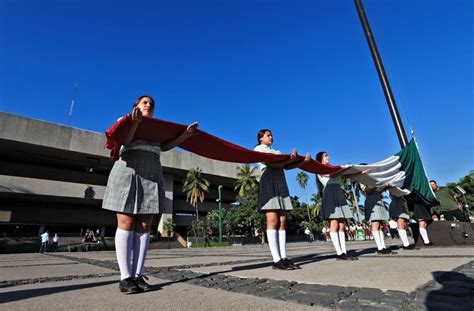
x: 300, y: 68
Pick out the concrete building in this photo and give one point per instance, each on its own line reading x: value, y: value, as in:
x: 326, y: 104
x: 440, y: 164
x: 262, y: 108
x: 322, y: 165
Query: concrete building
x: 55, y: 176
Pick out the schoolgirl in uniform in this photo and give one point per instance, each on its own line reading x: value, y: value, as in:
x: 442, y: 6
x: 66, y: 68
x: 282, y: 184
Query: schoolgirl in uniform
x: 335, y: 208
x: 274, y: 199
x: 375, y: 214
x: 135, y: 191
x: 422, y: 215
x: 398, y: 211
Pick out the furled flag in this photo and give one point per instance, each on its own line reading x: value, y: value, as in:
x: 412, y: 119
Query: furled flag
x: 403, y: 174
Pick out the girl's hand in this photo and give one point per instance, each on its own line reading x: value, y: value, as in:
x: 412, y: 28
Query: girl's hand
x: 190, y: 130
x: 293, y: 154
x: 308, y: 157
x: 136, y: 116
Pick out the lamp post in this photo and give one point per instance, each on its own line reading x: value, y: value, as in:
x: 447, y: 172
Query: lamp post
x: 219, y: 189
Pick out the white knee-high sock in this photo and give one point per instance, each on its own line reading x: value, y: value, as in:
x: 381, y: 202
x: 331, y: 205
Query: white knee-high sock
x: 342, y: 241
x: 335, y: 241
x: 382, y: 239
x: 376, y: 235
x: 403, y: 236
x: 123, y: 249
x: 424, y: 235
x: 140, y: 248
x: 282, y: 244
x: 272, y: 236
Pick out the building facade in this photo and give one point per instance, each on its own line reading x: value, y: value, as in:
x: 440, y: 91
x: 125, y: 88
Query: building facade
x: 54, y: 176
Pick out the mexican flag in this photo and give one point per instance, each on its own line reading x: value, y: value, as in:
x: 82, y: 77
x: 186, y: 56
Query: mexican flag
x: 403, y: 172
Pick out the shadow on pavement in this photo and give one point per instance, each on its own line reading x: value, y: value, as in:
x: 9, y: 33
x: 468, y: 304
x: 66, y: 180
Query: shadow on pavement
x: 32, y: 293
x: 457, y: 292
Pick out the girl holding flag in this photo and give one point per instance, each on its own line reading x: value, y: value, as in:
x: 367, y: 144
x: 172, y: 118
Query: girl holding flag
x: 274, y: 198
x: 135, y: 191
x: 334, y: 207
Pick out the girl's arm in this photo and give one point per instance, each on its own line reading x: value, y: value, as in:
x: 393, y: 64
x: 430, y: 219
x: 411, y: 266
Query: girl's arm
x: 135, y: 120
x: 190, y: 131
x: 299, y: 163
x: 282, y: 164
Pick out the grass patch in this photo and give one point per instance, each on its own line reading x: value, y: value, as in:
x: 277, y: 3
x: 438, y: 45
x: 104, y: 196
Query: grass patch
x: 213, y: 244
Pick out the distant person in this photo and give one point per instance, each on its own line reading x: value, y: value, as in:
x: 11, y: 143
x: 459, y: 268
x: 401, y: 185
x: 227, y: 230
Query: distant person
x: 44, y: 242
x: 55, y: 242
x: 135, y: 192
x: 449, y: 205
x: 207, y: 240
x: 307, y: 232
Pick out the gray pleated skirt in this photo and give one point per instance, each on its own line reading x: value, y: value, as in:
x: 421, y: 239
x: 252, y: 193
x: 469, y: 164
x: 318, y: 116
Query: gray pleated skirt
x: 421, y: 212
x: 273, y: 193
x: 374, y: 207
x: 136, y: 184
x: 398, y: 208
x: 334, y: 203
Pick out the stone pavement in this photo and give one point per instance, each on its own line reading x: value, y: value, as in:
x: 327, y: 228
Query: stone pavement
x: 241, y: 278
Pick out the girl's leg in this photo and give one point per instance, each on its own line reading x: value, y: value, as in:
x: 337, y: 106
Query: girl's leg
x: 378, y: 234
x: 140, y: 243
x: 282, y: 234
x: 333, y: 233
x: 124, y: 243
x: 402, y: 232
x: 423, y: 233
x: 272, y: 234
x: 342, y: 235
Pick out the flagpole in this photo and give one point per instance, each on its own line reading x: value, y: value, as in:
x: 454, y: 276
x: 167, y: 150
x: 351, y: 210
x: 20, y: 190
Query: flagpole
x: 392, y: 106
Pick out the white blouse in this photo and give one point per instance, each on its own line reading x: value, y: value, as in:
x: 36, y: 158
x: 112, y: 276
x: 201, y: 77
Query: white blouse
x: 266, y: 149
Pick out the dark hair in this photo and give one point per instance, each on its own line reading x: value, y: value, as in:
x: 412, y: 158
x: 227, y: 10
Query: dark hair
x: 319, y: 158
x: 433, y: 181
x: 143, y: 96
x: 260, y: 135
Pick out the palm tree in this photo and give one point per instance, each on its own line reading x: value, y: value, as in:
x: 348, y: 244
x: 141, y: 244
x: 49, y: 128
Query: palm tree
x: 246, y: 180
x: 195, y: 186
x: 316, y: 207
x: 302, y: 179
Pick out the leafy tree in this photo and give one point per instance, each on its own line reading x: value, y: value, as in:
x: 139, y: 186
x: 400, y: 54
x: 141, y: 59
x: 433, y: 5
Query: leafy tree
x: 302, y: 179
x: 244, y: 219
x: 195, y: 186
x: 198, y: 228
x: 467, y: 183
x: 246, y: 180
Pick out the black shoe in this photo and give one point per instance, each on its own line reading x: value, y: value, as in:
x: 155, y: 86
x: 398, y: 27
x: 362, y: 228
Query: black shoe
x: 281, y: 265
x: 385, y: 252
x: 410, y: 247
x: 428, y: 244
x: 141, y: 284
x: 343, y: 256
x: 128, y: 286
x: 290, y: 264
x: 388, y: 251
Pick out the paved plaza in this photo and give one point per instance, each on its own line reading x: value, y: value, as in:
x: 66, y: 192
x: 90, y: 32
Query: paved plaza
x: 241, y: 278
